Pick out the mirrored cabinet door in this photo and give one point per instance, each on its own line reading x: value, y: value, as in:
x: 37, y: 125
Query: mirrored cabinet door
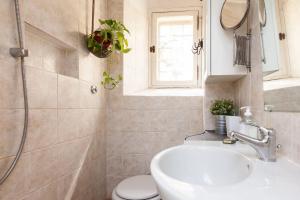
x: 280, y: 42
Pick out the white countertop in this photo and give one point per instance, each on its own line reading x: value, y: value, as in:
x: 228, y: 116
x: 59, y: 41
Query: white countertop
x: 278, y: 180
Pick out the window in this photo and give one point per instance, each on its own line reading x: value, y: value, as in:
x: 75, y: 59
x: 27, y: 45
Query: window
x: 172, y: 62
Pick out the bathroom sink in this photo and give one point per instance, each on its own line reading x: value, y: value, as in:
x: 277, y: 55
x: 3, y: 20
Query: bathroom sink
x: 214, y: 171
x: 207, y: 166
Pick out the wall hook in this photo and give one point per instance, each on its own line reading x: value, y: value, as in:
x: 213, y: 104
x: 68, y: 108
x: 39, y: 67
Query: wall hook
x: 94, y: 89
x: 197, y: 47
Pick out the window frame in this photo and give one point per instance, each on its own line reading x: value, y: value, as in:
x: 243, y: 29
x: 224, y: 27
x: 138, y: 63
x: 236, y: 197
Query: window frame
x: 198, y: 24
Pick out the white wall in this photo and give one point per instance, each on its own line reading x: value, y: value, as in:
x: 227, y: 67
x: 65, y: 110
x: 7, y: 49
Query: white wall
x: 169, y: 4
x: 136, y: 62
x: 136, y: 19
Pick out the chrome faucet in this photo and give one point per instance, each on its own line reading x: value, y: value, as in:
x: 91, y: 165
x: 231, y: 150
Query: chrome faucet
x: 265, y: 147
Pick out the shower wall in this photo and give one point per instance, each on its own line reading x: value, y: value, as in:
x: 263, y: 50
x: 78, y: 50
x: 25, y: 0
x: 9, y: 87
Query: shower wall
x: 64, y: 155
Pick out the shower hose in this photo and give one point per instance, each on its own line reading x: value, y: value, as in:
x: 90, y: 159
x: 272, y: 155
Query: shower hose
x: 21, y: 47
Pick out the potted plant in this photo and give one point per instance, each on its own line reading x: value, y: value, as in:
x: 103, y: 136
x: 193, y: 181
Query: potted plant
x: 222, y: 108
x: 109, y: 37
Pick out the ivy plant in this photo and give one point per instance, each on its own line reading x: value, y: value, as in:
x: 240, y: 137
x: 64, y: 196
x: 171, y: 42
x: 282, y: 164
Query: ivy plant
x: 109, y: 82
x: 110, y: 36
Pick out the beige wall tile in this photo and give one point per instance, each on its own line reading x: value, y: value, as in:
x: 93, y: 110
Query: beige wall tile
x: 53, y: 57
x: 70, y: 158
x: 279, y: 122
x: 35, y: 45
x: 196, y: 121
x: 91, y: 121
x: 42, y: 129
x: 64, y: 26
x: 87, y: 99
x: 8, y: 35
x: 89, y: 67
x: 68, y: 92
x: 18, y: 183
x: 134, y: 164
x: 44, y: 165
x: 42, y: 92
x: 52, y: 151
x: 11, y: 124
x: 65, y: 186
x: 295, y: 153
x: 68, y: 124
x: 48, y: 192
x: 11, y: 90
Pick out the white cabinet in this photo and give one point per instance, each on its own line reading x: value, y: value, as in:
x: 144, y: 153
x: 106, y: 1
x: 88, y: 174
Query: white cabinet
x: 219, y: 47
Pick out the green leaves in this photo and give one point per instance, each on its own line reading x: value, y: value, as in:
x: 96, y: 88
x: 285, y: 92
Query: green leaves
x: 109, y: 37
x: 113, y: 25
x: 109, y: 82
x: 222, y: 107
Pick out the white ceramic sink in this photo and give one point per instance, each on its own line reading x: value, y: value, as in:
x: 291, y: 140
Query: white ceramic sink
x: 214, y: 171
x: 209, y: 166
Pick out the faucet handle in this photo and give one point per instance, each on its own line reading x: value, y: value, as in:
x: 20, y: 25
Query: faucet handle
x: 247, y: 112
x: 264, y: 131
x: 247, y: 116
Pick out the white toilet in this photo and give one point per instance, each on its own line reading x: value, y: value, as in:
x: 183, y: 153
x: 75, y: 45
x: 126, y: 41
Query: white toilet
x: 136, y: 188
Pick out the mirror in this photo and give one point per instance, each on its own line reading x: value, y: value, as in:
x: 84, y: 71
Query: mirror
x: 269, y: 35
x: 281, y: 50
x: 234, y: 13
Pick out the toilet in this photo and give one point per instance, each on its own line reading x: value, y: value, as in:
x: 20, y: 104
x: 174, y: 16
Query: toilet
x: 140, y: 187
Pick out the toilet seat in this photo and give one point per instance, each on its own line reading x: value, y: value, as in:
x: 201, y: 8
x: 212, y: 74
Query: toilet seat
x: 136, y: 188
x: 116, y: 197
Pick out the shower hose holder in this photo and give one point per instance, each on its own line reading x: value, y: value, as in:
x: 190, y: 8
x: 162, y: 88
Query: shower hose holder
x: 19, y: 52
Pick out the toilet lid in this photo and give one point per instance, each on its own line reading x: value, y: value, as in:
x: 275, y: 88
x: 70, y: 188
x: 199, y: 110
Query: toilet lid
x: 137, y: 188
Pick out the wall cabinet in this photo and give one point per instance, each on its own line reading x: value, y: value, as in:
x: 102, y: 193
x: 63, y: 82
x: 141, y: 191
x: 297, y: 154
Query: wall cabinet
x: 219, y: 58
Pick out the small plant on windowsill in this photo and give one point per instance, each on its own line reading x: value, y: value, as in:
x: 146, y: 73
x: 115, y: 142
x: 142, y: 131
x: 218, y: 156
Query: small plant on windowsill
x: 222, y: 108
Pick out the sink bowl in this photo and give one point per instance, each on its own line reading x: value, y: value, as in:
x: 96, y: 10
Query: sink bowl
x: 189, y: 166
x: 211, y: 170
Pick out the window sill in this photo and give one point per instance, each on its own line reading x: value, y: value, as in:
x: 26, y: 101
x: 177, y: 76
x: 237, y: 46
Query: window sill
x: 172, y: 92
x: 281, y: 83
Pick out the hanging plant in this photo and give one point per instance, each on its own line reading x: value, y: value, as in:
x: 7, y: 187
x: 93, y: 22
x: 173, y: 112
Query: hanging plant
x: 109, y: 82
x: 109, y: 37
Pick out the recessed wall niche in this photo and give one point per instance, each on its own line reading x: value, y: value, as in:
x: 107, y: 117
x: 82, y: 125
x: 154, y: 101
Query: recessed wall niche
x: 50, y: 53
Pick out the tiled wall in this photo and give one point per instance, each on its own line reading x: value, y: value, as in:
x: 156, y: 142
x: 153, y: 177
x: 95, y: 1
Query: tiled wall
x: 250, y: 92
x: 140, y: 126
x: 64, y: 155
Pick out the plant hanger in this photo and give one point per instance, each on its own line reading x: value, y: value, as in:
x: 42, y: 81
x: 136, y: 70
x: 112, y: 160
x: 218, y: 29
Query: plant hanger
x: 101, y: 52
x: 93, y: 16
x: 108, y: 38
